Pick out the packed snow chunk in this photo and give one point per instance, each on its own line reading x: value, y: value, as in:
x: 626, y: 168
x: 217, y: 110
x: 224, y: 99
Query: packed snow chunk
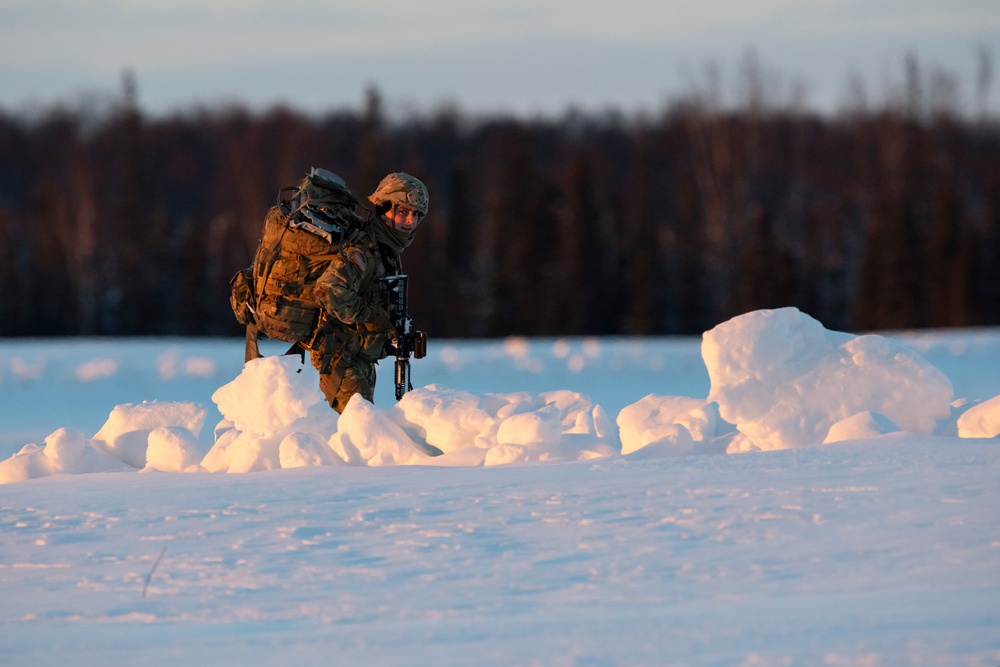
x: 654, y: 419
x: 320, y: 420
x: 269, y: 394
x: 981, y: 421
x: 239, y: 451
x: 587, y: 433
x: 29, y: 463
x: 740, y: 444
x: 367, y: 436
x: 125, y: 434
x: 65, y: 451
x: 674, y: 440
x: 784, y: 380
x: 173, y: 449
x: 865, y: 424
x: 557, y: 425
x: 580, y: 414
x: 298, y: 450
x: 505, y: 454
x: 64, y: 448
x: 448, y: 420
x: 249, y: 452
x: 537, y: 429
x: 552, y: 426
x: 220, y: 457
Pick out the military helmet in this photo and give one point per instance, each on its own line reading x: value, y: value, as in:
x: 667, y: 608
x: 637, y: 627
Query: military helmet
x: 403, y: 189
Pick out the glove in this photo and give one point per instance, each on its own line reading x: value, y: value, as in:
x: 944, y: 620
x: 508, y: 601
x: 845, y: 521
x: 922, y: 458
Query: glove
x: 379, y: 321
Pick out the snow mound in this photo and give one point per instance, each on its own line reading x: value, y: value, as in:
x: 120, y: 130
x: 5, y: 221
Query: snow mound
x: 429, y: 426
x: 293, y: 442
x: 125, y: 435
x: 268, y: 395
x: 981, y: 421
x: 173, y: 449
x: 299, y: 450
x: 862, y: 425
x: 778, y: 380
x: 784, y: 380
x: 670, y: 425
x: 449, y: 420
x: 496, y: 429
x: 65, y: 451
x: 153, y: 436
x: 367, y: 436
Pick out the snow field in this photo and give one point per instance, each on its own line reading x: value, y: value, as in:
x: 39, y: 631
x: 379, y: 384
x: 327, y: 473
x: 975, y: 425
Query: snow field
x: 860, y: 554
x: 613, y: 530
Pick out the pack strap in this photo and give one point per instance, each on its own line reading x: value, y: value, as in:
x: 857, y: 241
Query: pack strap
x: 252, y: 347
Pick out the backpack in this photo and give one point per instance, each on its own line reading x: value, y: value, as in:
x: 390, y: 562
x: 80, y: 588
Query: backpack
x: 273, y: 296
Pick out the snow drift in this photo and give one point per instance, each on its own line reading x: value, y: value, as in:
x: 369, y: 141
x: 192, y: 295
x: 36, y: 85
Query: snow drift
x: 784, y: 380
x: 779, y: 380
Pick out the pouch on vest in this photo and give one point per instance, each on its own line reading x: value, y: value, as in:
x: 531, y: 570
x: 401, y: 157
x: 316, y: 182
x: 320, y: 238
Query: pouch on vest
x: 239, y: 297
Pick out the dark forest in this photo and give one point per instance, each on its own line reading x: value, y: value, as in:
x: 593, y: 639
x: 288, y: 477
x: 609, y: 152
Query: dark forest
x: 878, y: 217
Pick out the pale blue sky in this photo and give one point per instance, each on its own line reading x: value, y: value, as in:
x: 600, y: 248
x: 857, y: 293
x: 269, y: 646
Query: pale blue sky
x: 524, y: 56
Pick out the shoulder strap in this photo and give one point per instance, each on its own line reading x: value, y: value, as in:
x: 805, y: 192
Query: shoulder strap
x: 252, y: 347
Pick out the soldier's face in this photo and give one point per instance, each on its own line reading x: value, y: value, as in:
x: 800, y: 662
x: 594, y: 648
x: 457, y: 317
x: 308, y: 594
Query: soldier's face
x: 402, y: 218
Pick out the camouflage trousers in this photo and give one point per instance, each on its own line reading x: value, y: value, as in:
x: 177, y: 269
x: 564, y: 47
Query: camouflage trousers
x: 345, y: 380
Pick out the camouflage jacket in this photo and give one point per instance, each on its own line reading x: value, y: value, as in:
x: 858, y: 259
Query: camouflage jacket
x: 352, y: 292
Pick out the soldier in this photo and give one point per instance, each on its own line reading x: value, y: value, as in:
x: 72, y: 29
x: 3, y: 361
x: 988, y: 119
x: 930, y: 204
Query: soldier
x: 355, y: 300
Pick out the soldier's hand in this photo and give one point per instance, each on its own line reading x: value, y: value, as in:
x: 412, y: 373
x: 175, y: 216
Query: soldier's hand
x: 380, y: 321
x: 389, y: 346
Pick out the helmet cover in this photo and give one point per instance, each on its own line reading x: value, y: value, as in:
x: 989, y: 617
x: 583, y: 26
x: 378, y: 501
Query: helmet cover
x: 403, y: 189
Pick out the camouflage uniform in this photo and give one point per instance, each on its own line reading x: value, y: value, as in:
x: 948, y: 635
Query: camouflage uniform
x: 357, y: 320
x: 355, y: 300
x: 317, y: 279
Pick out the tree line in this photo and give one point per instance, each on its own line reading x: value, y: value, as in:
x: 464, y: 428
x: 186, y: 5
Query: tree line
x: 116, y: 223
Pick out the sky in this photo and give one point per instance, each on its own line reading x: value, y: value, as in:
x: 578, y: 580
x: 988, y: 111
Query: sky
x: 521, y: 56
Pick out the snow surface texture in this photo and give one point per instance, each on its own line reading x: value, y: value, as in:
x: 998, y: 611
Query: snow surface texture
x: 779, y: 380
x: 879, y: 551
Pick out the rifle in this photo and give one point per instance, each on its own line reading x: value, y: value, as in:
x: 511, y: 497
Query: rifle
x: 404, y: 340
